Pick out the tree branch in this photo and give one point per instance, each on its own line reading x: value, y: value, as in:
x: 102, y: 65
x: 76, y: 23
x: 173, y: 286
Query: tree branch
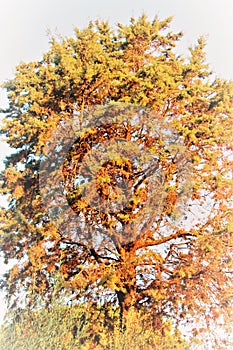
x: 151, y: 241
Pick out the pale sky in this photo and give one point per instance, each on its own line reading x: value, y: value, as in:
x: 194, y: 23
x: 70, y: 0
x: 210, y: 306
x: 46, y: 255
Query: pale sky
x: 24, y: 24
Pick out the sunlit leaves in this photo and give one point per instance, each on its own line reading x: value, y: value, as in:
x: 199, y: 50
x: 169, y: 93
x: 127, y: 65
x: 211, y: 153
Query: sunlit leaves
x: 178, y: 261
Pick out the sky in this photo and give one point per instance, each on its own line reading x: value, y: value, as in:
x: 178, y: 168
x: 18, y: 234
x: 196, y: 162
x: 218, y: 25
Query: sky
x: 25, y: 24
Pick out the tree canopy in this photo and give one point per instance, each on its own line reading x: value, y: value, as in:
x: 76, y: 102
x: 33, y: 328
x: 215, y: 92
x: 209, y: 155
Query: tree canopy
x: 120, y: 179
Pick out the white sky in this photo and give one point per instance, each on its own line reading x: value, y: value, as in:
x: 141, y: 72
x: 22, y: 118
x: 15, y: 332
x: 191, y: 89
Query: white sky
x: 24, y: 23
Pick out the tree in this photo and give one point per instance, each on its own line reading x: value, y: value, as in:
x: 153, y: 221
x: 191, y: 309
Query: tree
x: 144, y: 162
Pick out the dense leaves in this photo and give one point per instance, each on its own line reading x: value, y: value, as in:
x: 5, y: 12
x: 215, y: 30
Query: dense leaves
x: 84, y: 327
x: 178, y: 261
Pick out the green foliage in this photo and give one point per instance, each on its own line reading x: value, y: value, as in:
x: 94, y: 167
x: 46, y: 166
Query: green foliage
x: 70, y: 328
x: 43, y: 329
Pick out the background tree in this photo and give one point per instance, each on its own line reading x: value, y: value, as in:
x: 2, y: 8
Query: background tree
x: 178, y: 262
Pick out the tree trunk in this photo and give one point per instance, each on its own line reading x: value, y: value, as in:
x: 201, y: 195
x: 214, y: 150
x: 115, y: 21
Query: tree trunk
x: 126, y: 294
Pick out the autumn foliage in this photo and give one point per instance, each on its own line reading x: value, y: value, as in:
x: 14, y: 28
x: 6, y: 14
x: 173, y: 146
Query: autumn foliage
x: 144, y: 140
